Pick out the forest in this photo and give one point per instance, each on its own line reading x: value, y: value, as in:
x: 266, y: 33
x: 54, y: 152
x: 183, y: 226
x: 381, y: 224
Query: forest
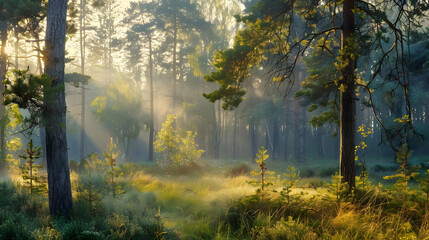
x: 214, y: 119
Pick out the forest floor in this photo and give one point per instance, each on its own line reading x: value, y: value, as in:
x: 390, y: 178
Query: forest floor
x: 214, y: 200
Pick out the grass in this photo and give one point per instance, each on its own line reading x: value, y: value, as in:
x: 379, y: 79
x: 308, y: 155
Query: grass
x: 213, y: 204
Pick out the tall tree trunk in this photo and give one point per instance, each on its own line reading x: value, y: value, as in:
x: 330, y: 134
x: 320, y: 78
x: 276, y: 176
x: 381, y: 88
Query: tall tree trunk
x: 82, y: 33
x: 215, y: 136
x: 16, y: 34
x: 174, y: 71
x: 41, y: 127
x: 3, y: 70
x: 151, y: 121
x: 297, y: 132
x: 252, y: 139
x: 347, y: 102
x: 275, y: 137
x: 60, y: 197
x: 234, y: 137
x: 302, y: 134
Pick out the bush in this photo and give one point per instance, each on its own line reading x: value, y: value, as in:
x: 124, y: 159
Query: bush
x: 78, y: 230
x: 381, y: 168
x: 307, y: 173
x: 15, y: 227
x: 327, y: 172
x: 284, y: 230
x: 46, y: 234
x: 178, y: 148
x: 239, y: 170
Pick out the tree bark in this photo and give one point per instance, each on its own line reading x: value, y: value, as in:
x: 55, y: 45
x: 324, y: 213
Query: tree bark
x: 3, y: 70
x: 173, y: 80
x: 41, y: 128
x: 347, y: 102
x: 82, y: 33
x: 302, y: 133
x: 215, y: 137
x: 60, y: 197
x: 151, y: 123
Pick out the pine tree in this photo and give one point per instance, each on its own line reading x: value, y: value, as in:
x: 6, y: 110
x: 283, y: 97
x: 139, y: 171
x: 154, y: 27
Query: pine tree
x: 30, y: 170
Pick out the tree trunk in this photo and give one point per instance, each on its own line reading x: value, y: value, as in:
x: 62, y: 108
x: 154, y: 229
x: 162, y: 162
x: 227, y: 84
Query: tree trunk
x: 60, y: 197
x: 215, y: 137
x: 151, y: 130
x: 302, y: 134
x: 41, y: 128
x: 347, y: 102
x: 3, y: 70
x: 297, y: 132
x: 252, y: 139
x: 82, y: 32
x: 234, y: 137
x: 275, y: 137
x: 173, y: 80
x: 16, y: 34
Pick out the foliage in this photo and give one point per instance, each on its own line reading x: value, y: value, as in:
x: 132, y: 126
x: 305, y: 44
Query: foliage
x: 179, y: 148
x: 28, y: 91
x: 241, y: 169
x: 47, y: 233
x: 30, y: 171
x: 362, y: 179
x: 90, y: 193
x: 290, y: 181
x: 284, y: 230
x: 117, y: 112
x: 404, y: 173
x: 337, y: 188
x: 267, y: 177
x: 110, y: 156
x: 424, y: 186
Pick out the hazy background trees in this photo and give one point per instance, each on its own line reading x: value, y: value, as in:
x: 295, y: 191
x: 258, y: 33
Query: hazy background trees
x: 147, y: 59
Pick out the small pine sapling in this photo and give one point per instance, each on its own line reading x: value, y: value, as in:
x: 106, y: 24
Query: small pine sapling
x: 362, y: 180
x: 337, y: 188
x: 266, y: 176
x: 159, y: 233
x: 87, y: 189
x: 404, y: 173
x: 29, y: 170
x: 290, y: 181
x: 424, y: 186
x: 110, y: 159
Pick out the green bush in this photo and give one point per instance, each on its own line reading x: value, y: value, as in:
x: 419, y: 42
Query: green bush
x: 327, y: 172
x: 383, y: 168
x: 15, y: 227
x: 284, y: 230
x: 77, y: 230
x: 46, y: 233
x: 307, y: 173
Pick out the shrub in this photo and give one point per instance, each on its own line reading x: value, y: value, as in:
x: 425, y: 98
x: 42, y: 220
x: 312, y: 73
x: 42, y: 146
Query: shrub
x: 284, y: 230
x: 178, y: 148
x: 78, y: 230
x: 327, y: 172
x: 307, y: 173
x: 382, y: 168
x: 46, y: 233
x: 239, y: 170
x: 15, y: 227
